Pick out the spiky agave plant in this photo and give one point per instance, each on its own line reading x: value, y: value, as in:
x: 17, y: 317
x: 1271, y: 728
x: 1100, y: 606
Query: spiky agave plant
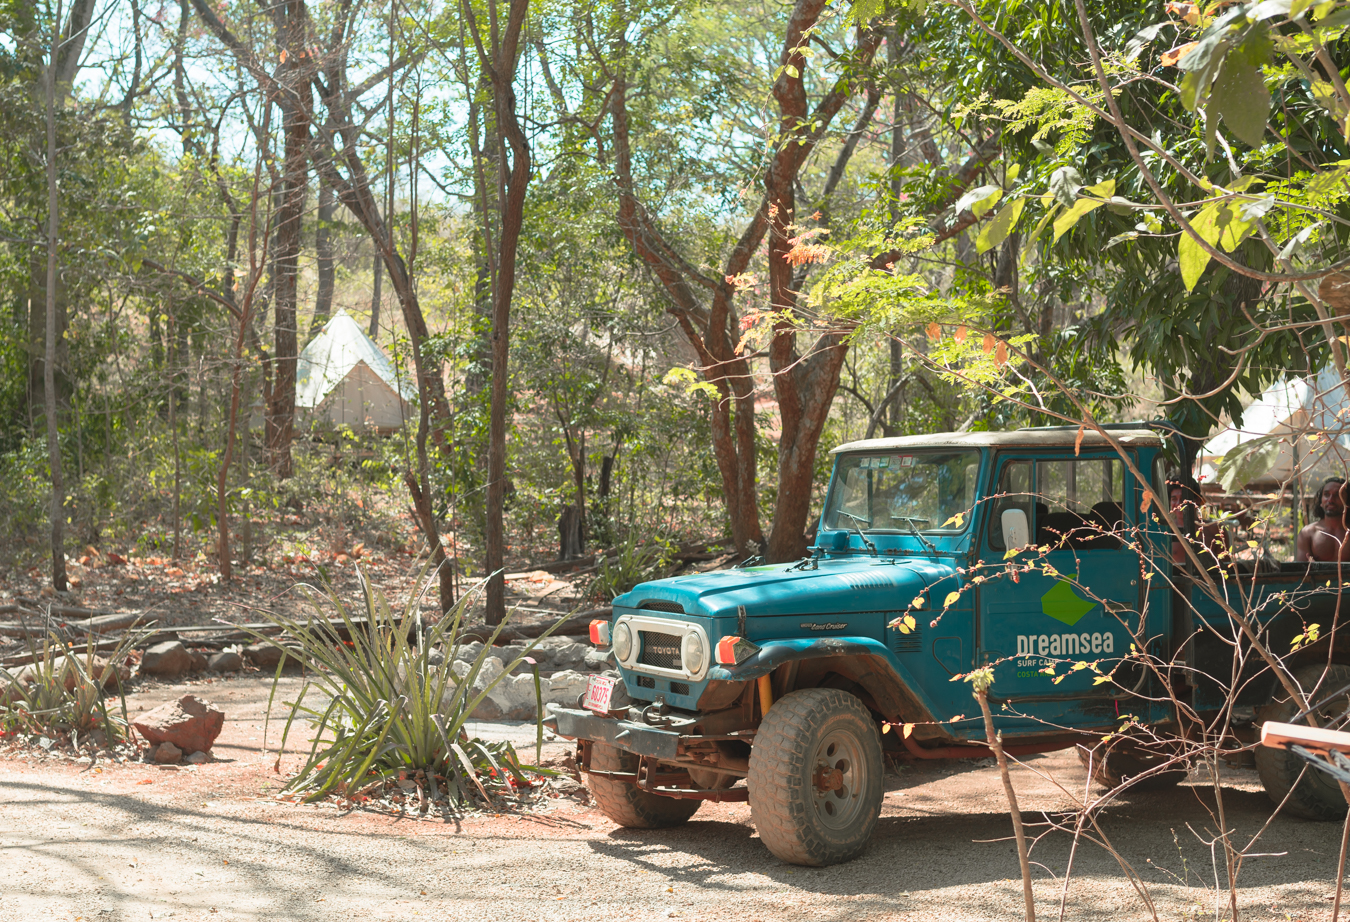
x: 392, y: 707
x: 58, y: 693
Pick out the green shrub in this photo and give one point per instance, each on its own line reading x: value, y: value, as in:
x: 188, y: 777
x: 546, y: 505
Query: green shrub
x: 634, y: 560
x: 58, y: 695
x: 391, y: 710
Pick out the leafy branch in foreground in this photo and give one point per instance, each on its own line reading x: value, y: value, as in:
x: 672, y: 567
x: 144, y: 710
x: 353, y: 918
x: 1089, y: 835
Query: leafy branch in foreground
x: 394, y: 708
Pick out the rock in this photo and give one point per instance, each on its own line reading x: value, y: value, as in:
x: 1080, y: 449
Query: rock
x: 598, y: 660
x: 435, y: 657
x: 510, y: 652
x: 511, y: 698
x: 189, y: 723
x: 199, y: 662
x: 570, y: 655
x: 229, y: 661
x: 488, y: 710
x: 515, y: 696
x: 569, y: 787
x: 167, y: 754
x: 66, y: 668
x: 565, y: 687
x: 167, y: 658
x: 263, y: 655
x: 197, y: 758
x: 469, y: 652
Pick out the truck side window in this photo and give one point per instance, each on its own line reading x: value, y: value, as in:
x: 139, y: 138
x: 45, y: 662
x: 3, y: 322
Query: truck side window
x: 1013, y: 492
x: 1084, y: 501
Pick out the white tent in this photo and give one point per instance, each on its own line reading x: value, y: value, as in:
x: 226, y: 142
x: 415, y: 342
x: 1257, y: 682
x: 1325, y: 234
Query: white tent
x: 1311, y: 418
x: 344, y: 378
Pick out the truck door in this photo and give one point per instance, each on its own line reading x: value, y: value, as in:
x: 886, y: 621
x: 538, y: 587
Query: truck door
x: 1085, y: 608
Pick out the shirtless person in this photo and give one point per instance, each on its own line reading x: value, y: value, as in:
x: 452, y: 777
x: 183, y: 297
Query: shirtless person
x: 1321, y: 540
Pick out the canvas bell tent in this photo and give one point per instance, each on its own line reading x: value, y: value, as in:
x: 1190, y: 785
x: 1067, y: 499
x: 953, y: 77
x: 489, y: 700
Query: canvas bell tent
x: 1299, y: 428
x: 343, y: 378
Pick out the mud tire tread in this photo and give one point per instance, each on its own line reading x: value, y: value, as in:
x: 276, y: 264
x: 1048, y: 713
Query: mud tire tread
x: 778, y: 780
x: 625, y: 803
x: 1317, y: 797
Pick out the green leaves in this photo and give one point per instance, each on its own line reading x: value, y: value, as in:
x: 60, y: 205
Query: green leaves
x: 1241, y: 97
x: 1064, y: 185
x: 997, y: 230
x: 1310, y: 635
x: 1245, y: 462
x: 979, y: 200
x: 1192, y: 257
x: 1065, y: 222
x: 1223, y: 70
x: 1223, y: 223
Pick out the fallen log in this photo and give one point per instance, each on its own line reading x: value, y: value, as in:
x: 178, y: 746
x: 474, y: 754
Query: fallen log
x: 61, y: 610
x: 23, y: 659
x: 106, y: 624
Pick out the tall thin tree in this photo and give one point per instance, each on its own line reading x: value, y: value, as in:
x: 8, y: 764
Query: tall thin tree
x: 498, y: 58
x: 58, y: 513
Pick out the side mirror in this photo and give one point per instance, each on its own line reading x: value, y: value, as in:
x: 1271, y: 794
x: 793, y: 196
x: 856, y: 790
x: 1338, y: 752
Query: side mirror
x: 1015, y: 530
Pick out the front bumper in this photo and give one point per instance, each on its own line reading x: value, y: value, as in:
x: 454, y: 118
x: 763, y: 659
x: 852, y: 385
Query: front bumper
x: 642, y: 739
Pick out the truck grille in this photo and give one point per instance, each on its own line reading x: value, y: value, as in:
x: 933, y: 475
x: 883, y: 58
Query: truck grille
x: 660, y: 650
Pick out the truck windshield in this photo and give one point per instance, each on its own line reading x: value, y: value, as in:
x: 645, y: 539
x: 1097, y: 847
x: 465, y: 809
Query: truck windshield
x: 901, y: 492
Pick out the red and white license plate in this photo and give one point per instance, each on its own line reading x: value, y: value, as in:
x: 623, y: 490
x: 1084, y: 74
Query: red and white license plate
x: 599, y: 691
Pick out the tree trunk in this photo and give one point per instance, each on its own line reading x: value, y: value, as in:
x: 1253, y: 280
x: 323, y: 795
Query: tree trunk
x: 571, y: 542
x: 377, y: 274
x: 323, y: 257
x: 499, y: 61
x: 898, y: 146
x: 295, y: 104
x: 58, y: 506
x: 804, y: 386
x: 64, y: 64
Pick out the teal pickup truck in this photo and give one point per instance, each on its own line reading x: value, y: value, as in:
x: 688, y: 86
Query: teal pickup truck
x: 1036, y: 552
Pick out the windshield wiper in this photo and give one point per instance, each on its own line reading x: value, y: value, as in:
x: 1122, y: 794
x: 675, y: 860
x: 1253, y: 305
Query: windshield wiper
x: 910, y: 520
x: 868, y: 522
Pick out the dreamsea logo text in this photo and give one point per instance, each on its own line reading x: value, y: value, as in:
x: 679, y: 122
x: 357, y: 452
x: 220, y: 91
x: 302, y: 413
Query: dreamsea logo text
x: 1064, y: 604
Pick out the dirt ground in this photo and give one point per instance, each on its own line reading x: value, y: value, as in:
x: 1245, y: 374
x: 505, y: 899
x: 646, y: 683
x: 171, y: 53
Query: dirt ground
x: 104, y: 843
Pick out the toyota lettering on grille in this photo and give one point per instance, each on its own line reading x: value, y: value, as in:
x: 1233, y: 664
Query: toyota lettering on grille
x: 661, y: 649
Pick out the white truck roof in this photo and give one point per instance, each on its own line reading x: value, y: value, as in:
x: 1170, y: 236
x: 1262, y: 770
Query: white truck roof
x: 1050, y: 436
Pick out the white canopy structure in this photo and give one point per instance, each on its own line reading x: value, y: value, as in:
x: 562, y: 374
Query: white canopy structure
x: 344, y: 378
x: 1309, y: 417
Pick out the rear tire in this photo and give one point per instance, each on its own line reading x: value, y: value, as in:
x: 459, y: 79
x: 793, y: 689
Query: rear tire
x: 1318, y: 796
x: 816, y: 777
x: 1120, y: 760
x: 627, y: 804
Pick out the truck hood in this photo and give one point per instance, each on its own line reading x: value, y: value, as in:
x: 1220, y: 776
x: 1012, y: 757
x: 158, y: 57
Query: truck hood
x: 859, y: 584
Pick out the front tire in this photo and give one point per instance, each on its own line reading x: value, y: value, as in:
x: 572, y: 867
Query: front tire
x: 627, y: 804
x: 1318, y: 796
x: 816, y: 777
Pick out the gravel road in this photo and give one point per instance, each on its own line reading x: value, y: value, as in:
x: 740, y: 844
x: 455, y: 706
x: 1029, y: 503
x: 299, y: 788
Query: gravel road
x: 133, y: 842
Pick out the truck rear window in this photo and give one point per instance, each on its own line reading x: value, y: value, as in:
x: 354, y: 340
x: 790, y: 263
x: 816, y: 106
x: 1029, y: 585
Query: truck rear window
x: 891, y: 491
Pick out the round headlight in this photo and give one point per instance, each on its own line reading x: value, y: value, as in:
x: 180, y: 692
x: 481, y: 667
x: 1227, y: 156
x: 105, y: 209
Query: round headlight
x: 623, y: 642
x: 693, y: 652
